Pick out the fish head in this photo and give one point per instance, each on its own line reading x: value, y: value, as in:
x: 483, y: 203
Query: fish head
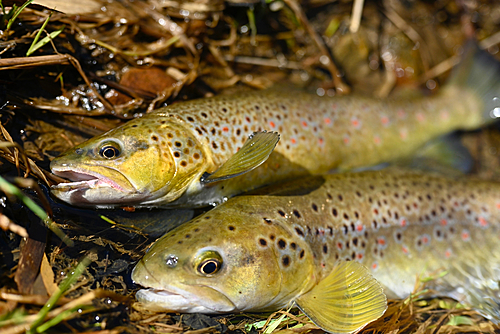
x: 223, y: 261
x: 138, y: 162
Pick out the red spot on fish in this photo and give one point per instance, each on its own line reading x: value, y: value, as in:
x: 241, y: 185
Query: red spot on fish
x: 346, y: 140
x: 483, y: 222
x: 375, y: 211
x: 360, y: 256
x: 293, y: 141
x: 465, y: 235
x: 323, y: 265
x: 304, y: 123
x: 359, y: 228
x: 447, y: 253
x: 321, y: 141
x: 403, y: 222
x: 339, y: 245
x: 374, y: 266
x: 401, y: 114
x: 425, y: 239
x: 381, y: 241
x: 327, y: 121
x: 248, y: 119
x: 420, y: 117
x: 355, y: 122
x: 444, y: 222
x: 385, y: 120
x: 271, y: 124
x: 376, y: 140
x: 498, y: 206
x: 405, y: 249
x: 225, y: 129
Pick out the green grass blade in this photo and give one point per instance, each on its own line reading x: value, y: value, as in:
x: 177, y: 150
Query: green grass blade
x: 63, y: 287
x: 17, y: 12
x: 11, y: 189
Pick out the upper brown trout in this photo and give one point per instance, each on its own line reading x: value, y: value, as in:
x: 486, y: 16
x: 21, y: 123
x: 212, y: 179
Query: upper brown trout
x: 258, y: 252
x: 193, y: 153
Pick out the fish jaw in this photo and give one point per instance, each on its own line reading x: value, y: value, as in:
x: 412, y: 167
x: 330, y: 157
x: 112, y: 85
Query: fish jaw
x: 94, y: 186
x: 175, y: 298
x: 185, y: 302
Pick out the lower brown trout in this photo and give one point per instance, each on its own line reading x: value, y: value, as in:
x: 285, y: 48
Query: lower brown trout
x: 262, y: 252
x: 194, y: 153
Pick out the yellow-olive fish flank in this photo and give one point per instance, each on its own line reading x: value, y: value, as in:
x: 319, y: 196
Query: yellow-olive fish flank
x: 258, y: 252
x: 174, y: 155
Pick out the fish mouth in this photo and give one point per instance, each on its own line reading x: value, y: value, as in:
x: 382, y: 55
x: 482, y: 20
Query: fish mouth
x: 90, y: 188
x: 83, y: 179
x: 184, y: 301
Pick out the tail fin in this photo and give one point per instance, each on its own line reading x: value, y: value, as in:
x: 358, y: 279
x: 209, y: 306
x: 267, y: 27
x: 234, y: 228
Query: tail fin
x: 480, y: 71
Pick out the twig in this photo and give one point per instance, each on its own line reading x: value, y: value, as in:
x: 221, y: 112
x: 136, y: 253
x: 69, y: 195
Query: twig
x: 357, y: 12
x: 299, y: 13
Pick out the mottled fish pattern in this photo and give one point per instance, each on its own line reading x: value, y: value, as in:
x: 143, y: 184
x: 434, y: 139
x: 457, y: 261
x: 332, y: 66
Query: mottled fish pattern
x: 400, y: 225
x: 174, y: 146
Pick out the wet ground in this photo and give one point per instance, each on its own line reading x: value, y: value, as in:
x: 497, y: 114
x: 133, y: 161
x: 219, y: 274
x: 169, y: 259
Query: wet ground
x: 116, y: 60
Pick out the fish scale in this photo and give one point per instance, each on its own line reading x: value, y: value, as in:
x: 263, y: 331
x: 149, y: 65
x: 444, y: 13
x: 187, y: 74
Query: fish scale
x: 399, y: 224
x: 184, y: 142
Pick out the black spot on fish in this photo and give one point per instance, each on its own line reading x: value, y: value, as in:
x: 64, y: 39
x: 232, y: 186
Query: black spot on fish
x: 282, y: 213
x: 285, y: 260
x: 302, y: 253
x: 299, y: 232
x: 135, y: 125
x: 293, y: 245
x: 268, y: 221
x: 263, y: 242
x: 281, y: 244
x: 189, y: 118
x: 355, y: 242
x: 346, y: 216
x: 325, y: 249
x: 154, y: 137
x: 340, y: 197
x: 272, y: 237
x: 314, y: 207
x: 231, y: 228
x: 334, y: 212
x: 296, y: 213
x: 177, y: 154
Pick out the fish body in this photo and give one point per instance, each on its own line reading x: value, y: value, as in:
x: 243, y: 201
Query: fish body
x: 160, y: 159
x: 272, y: 249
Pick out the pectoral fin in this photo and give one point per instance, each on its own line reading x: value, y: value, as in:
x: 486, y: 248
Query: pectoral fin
x: 346, y: 300
x: 254, y: 152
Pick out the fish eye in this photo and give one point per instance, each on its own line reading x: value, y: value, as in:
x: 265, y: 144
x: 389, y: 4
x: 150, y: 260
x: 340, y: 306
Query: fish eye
x: 208, y: 263
x: 109, y: 150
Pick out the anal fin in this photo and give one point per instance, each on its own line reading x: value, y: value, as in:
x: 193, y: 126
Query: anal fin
x: 346, y: 300
x: 254, y: 152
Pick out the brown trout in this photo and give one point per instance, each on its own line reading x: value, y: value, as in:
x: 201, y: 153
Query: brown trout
x: 258, y: 252
x: 193, y: 154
